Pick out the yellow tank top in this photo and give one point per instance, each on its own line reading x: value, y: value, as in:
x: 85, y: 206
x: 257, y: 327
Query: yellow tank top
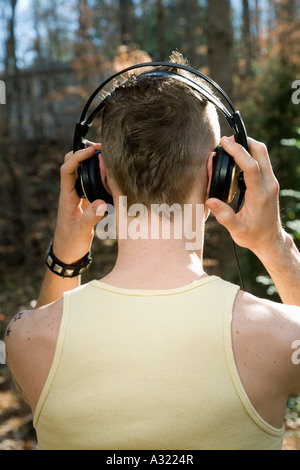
x: 139, y: 369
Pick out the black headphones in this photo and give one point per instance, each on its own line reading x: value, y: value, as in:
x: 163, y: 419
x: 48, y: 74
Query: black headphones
x: 227, y: 176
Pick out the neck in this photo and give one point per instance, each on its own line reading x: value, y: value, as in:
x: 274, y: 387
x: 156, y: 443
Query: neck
x: 165, y: 258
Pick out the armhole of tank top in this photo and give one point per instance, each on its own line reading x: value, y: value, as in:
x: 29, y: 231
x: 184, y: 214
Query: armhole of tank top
x: 56, y: 359
x: 233, y: 371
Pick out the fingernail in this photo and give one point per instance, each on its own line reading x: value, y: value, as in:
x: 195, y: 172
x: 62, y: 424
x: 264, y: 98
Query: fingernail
x: 227, y: 141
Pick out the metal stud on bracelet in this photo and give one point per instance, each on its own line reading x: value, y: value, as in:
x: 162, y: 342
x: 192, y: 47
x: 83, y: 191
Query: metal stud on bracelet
x: 67, y: 270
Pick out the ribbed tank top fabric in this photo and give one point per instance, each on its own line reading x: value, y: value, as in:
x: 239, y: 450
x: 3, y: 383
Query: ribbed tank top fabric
x: 148, y: 370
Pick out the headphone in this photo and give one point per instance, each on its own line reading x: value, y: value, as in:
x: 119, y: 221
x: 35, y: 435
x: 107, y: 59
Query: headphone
x: 227, y: 177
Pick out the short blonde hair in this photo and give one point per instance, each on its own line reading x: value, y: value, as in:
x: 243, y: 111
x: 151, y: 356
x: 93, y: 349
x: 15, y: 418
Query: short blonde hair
x: 157, y: 133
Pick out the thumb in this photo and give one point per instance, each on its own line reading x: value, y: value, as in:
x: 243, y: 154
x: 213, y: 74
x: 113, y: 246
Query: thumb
x: 222, y: 212
x: 93, y: 213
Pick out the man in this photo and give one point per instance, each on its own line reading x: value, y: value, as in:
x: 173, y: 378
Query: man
x: 158, y: 355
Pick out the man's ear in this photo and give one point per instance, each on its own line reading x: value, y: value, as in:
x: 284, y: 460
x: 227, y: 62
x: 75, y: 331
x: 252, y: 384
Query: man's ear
x: 103, y: 174
x: 209, y: 168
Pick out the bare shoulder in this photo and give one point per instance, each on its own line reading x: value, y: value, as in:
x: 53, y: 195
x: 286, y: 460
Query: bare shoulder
x: 30, y: 341
x: 266, y: 315
x: 267, y: 333
x: 36, y: 319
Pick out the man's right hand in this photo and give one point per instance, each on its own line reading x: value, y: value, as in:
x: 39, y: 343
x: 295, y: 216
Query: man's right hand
x: 74, y: 232
x: 76, y: 217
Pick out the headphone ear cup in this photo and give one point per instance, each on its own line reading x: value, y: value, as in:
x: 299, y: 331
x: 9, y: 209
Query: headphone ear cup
x: 91, y: 182
x: 224, y: 181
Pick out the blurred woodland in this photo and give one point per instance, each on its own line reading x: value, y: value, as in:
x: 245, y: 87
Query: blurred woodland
x: 52, y: 57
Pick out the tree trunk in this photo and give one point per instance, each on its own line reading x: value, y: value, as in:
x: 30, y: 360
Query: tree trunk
x: 271, y: 17
x: 10, y: 60
x: 37, y: 42
x: 161, y: 30
x: 220, y: 43
x: 127, y: 22
x: 190, y: 11
x: 17, y: 168
x: 247, y: 43
x: 257, y: 20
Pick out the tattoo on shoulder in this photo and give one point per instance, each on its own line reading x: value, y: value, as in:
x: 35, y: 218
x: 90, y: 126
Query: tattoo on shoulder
x: 18, y: 316
x: 15, y: 318
x: 8, y: 331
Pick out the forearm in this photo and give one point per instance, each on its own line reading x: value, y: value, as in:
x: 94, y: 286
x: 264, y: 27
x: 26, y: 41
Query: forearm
x: 53, y: 287
x: 74, y: 232
x: 283, y: 265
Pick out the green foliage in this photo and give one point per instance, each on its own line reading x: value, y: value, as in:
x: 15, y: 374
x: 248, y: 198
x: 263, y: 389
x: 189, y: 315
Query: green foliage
x: 267, y: 281
x: 289, y: 197
x: 290, y: 212
x: 292, y: 413
x: 271, y: 116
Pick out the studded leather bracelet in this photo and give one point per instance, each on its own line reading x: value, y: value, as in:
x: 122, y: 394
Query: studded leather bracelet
x: 67, y: 270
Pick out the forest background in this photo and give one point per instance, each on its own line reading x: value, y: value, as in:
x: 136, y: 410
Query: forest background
x: 54, y: 54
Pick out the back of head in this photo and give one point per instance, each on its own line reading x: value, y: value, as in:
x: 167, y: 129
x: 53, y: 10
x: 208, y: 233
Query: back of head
x: 157, y: 133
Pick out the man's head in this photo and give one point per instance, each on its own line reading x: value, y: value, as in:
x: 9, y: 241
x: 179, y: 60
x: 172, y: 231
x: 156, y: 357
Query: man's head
x: 157, y: 134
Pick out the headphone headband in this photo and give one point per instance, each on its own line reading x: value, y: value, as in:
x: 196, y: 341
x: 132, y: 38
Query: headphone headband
x: 232, y: 116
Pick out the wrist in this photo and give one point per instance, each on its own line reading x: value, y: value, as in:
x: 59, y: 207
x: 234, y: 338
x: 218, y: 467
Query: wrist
x: 70, y: 251
x: 277, y: 253
x: 67, y: 270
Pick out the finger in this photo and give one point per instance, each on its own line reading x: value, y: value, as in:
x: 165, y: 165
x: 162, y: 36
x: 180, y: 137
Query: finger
x: 71, y: 154
x: 93, y: 214
x: 222, y: 212
x: 68, y: 156
x: 69, y: 168
x: 260, y: 153
x: 96, y: 145
x: 245, y: 161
